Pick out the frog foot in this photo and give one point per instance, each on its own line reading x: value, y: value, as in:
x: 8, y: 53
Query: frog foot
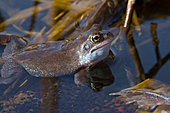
x: 10, y: 72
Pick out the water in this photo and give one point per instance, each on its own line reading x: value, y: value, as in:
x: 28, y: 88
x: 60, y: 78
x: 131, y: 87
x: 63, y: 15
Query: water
x: 31, y: 94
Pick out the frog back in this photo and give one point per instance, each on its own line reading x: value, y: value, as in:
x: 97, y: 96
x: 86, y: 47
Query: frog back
x: 48, y: 59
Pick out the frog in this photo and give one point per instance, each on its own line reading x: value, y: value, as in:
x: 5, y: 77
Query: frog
x: 54, y: 58
x: 150, y: 95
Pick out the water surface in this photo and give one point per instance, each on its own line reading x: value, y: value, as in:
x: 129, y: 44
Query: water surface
x: 61, y: 94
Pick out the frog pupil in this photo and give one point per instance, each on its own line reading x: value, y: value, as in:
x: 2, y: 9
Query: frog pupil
x: 96, y: 38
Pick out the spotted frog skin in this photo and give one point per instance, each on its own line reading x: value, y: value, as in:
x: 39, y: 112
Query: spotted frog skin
x: 54, y: 58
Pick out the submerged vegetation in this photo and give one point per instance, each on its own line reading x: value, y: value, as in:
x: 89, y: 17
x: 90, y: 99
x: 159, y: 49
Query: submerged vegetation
x: 142, y: 52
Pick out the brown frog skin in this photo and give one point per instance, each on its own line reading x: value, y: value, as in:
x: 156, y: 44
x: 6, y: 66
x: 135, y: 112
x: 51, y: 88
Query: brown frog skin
x: 146, y: 95
x: 55, y: 58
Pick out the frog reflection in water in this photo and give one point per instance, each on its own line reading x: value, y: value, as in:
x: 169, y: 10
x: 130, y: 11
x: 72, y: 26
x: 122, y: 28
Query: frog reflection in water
x: 54, y: 58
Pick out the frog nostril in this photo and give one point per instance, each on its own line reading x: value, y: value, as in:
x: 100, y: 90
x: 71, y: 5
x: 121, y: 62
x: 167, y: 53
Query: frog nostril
x: 110, y: 34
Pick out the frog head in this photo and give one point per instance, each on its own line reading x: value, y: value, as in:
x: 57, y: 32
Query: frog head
x: 96, y: 46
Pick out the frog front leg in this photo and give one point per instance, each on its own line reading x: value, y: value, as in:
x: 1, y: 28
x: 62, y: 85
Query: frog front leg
x: 83, y: 76
x: 80, y: 77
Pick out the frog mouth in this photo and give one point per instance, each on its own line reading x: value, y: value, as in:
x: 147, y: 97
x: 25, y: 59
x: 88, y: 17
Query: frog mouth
x: 101, y: 46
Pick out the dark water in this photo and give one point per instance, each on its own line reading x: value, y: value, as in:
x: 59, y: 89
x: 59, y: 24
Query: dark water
x: 150, y: 59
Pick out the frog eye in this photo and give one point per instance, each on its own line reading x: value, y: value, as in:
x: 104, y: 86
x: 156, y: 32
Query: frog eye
x: 96, y: 38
